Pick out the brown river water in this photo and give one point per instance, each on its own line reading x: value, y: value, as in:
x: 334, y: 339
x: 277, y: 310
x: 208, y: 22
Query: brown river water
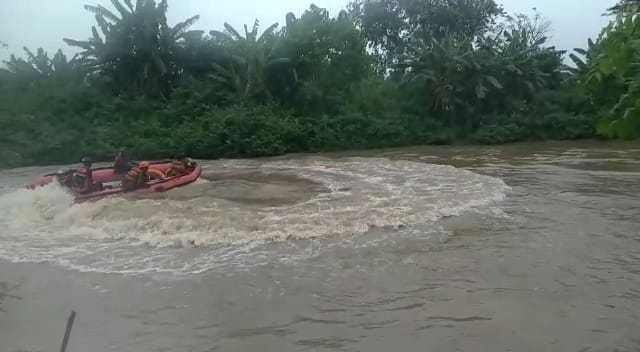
x: 528, y: 247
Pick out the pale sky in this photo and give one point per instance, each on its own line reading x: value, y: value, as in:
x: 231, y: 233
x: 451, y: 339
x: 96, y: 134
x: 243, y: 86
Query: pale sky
x: 43, y: 23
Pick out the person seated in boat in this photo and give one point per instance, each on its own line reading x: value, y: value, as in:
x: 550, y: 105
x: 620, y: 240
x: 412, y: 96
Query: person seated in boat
x: 121, y: 163
x: 136, y: 177
x: 178, y: 168
x: 189, y: 164
x: 82, y: 178
x: 65, y: 177
x: 181, y: 167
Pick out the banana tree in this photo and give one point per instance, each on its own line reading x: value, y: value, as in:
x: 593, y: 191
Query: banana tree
x: 136, y: 48
x: 626, y: 8
x: 251, y: 61
x: 582, y: 60
x: 613, y: 78
x: 328, y: 56
x: 473, y: 79
x: 39, y: 65
x: 531, y: 66
x: 454, y: 80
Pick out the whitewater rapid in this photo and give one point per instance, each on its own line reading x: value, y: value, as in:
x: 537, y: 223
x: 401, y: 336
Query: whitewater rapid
x: 238, y: 208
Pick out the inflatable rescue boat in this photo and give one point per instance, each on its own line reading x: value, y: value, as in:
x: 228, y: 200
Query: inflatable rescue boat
x: 108, y: 183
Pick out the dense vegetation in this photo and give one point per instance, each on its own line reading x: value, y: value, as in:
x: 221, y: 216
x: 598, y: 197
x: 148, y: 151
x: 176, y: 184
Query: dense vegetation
x: 381, y: 73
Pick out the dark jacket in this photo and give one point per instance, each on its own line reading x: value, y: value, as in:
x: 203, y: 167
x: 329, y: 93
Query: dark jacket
x: 121, y: 164
x: 82, y: 180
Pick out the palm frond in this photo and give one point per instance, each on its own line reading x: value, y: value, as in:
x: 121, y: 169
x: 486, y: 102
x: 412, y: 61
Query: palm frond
x: 540, y: 41
x: 254, y: 30
x: 581, y: 51
x: 268, y: 32
x: 578, y: 61
x: 129, y: 5
x: 96, y: 37
x: 163, y: 7
x: 29, y: 53
x: 79, y: 43
x: 193, y: 35
x: 123, y: 11
x: 279, y: 61
x: 102, y: 11
x: 247, y: 35
x: 494, y: 82
x: 232, y: 31
x: 105, y: 27
x: 291, y: 19
x: 220, y: 35
x: 179, y: 29
x: 59, y: 62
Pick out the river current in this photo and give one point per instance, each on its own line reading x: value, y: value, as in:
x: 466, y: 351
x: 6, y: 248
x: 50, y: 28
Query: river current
x: 527, y: 247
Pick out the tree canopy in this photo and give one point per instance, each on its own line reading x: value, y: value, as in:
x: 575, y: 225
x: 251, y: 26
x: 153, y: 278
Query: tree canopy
x: 379, y: 73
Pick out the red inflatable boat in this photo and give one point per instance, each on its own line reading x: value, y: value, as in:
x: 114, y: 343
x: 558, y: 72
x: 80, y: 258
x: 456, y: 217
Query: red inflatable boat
x: 108, y: 183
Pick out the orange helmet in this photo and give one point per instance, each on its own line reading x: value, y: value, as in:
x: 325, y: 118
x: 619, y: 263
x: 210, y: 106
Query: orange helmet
x: 144, y: 165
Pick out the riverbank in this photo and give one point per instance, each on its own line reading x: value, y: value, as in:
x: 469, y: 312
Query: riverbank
x: 246, y: 132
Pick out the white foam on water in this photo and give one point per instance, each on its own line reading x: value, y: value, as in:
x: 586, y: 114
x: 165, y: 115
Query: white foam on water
x: 201, y: 232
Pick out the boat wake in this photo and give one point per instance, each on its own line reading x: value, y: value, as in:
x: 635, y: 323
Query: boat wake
x: 245, y: 204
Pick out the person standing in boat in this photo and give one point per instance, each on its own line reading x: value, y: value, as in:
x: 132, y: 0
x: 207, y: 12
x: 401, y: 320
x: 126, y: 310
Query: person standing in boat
x: 121, y: 163
x: 136, y: 177
x: 82, y: 179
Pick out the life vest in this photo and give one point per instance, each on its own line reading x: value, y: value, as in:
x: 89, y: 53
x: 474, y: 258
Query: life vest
x: 134, y: 178
x: 134, y: 174
x: 155, y: 173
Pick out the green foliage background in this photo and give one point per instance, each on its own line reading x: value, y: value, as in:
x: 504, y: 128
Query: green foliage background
x: 381, y: 73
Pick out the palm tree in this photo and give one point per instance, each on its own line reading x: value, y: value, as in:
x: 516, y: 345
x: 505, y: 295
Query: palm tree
x: 456, y: 80
x: 251, y: 61
x: 467, y: 79
x: 39, y: 66
x: 626, y: 7
x: 137, y: 47
x: 583, y: 60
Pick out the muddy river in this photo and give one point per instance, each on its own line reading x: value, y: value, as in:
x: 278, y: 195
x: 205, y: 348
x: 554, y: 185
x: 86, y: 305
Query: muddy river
x: 528, y: 247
